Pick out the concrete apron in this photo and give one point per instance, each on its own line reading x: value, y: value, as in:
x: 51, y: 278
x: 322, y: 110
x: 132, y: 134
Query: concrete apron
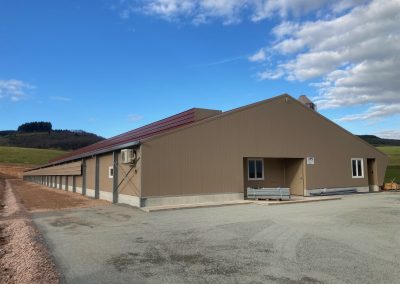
x: 294, y: 200
x: 195, y: 201
x: 297, y: 199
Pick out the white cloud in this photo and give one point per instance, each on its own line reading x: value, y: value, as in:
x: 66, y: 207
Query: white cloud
x: 355, y: 56
x: 222, y: 61
x: 389, y: 134
x: 258, y: 56
x: 374, y: 112
x: 371, y: 81
x: 134, y: 117
x: 230, y: 11
x: 58, y: 98
x: 348, y: 48
x: 14, y: 90
x: 271, y: 75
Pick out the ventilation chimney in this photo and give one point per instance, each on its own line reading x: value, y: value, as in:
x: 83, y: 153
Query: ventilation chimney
x: 307, y: 102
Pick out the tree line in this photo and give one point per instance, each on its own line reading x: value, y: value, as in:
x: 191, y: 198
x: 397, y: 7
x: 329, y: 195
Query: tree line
x: 36, y: 126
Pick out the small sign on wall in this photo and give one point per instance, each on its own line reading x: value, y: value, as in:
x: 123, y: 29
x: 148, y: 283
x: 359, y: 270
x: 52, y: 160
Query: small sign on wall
x: 310, y: 160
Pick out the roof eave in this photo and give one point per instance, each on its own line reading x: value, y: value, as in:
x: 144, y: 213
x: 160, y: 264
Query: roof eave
x: 90, y: 154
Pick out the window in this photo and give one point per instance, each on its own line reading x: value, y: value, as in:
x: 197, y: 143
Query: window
x: 111, y: 172
x: 357, y: 169
x: 255, y: 169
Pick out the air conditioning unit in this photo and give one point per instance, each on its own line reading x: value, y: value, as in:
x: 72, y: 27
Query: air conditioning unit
x: 128, y: 156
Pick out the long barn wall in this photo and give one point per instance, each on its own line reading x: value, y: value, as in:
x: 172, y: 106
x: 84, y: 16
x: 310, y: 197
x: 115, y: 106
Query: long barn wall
x: 207, y: 158
x: 128, y: 179
x: 65, y: 169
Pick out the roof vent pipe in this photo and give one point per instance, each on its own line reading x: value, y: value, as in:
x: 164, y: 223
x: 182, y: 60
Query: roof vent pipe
x: 307, y: 102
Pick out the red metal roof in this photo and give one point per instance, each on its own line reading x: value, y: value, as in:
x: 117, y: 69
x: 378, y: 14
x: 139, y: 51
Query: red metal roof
x: 135, y: 135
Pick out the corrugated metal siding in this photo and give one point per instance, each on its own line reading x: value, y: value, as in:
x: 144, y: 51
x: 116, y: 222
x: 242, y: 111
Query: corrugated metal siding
x: 146, y: 131
x: 208, y: 158
x: 70, y: 169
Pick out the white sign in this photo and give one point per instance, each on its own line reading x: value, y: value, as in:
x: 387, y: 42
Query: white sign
x: 310, y: 160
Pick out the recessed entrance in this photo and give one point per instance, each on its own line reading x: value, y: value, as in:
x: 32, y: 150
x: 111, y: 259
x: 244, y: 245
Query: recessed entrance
x: 274, y: 173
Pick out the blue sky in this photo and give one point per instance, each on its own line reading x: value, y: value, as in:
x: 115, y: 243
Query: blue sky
x: 111, y: 66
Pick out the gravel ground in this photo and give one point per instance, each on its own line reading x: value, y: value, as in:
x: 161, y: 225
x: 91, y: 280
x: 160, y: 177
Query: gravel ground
x: 353, y: 240
x: 23, y: 256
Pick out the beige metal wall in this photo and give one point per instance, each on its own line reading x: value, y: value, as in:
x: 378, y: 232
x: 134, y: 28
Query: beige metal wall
x: 90, y: 172
x: 207, y: 157
x: 64, y: 169
x: 78, y: 181
x: 130, y: 177
x: 274, y: 174
x: 106, y: 183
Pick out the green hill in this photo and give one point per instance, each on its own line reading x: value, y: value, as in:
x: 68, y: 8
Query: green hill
x: 55, y: 139
x: 393, y: 170
x: 377, y: 141
x: 28, y: 156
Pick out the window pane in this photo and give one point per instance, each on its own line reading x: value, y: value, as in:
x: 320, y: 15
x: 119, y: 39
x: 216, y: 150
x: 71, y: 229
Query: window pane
x: 354, y: 167
x: 359, y: 168
x: 259, y: 169
x: 252, y: 173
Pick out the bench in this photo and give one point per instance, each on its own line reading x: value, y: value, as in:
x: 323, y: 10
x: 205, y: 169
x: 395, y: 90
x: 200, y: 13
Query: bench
x: 339, y: 191
x: 278, y: 193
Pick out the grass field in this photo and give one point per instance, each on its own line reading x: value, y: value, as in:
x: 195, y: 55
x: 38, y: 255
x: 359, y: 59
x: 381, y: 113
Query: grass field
x: 393, y: 170
x: 30, y: 156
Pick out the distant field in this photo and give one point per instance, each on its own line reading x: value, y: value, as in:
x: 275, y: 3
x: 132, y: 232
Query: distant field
x: 31, y: 156
x: 393, y: 170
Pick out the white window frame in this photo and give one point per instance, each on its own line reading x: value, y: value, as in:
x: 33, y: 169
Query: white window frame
x: 362, y: 168
x: 255, y: 168
x: 111, y: 169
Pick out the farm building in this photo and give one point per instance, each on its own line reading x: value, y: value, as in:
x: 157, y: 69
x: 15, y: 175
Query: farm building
x: 203, y: 155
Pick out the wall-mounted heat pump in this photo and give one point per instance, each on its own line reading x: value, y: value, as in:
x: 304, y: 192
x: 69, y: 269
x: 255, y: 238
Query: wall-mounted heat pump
x: 128, y: 156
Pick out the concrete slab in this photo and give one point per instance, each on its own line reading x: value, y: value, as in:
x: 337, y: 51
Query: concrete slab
x: 352, y: 240
x: 297, y: 199
x: 294, y: 200
x: 198, y: 205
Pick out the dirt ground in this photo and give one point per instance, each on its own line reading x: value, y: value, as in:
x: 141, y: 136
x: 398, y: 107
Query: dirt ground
x: 13, y: 171
x: 36, y: 197
x: 24, y: 257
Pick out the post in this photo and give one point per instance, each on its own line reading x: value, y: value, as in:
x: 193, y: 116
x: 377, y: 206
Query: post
x: 84, y: 176
x: 73, y: 183
x: 97, y: 179
x: 115, y: 177
x: 66, y: 183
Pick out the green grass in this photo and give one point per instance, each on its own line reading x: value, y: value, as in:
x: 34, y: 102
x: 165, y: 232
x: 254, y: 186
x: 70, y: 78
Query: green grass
x: 393, y: 169
x: 30, y: 156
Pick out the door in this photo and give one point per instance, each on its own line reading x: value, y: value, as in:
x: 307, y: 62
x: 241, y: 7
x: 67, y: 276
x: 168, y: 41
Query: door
x: 294, y: 176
